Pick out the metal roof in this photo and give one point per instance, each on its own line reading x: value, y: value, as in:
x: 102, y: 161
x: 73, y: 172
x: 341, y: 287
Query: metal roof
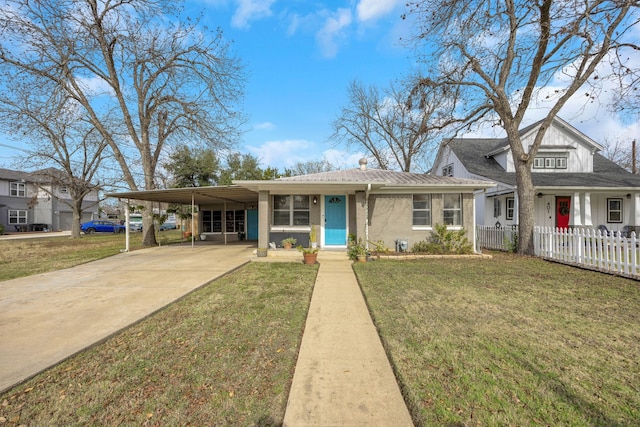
x: 199, y: 195
x: 338, y: 182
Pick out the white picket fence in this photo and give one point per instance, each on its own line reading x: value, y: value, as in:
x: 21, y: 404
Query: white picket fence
x: 590, y: 249
x: 490, y: 237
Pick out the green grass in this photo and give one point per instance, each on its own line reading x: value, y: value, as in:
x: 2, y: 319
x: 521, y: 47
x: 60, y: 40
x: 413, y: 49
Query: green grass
x: 24, y: 257
x: 224, y: 355
x: 509, y: 341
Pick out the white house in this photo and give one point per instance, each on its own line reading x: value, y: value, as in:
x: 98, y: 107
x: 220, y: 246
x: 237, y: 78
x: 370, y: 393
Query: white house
x: 575, y: 185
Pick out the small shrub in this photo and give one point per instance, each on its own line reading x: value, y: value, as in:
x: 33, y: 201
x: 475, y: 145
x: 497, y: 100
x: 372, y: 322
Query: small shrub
x: 1, y: 229
x: 379, y: 247
x: 444, y: 241
x: 511, y: 245
x: 357, y: 249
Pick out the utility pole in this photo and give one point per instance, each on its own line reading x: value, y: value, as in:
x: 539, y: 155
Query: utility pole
x: 634, y: 169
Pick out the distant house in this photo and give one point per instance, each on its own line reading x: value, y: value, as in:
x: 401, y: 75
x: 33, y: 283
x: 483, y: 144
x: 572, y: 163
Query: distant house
x: 30, y: 201
x: 575, y: 185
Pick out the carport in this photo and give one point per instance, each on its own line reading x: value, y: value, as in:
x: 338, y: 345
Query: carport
x: 193, y: 196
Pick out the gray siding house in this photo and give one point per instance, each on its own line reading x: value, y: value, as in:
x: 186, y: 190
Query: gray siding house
x: 30, y: 203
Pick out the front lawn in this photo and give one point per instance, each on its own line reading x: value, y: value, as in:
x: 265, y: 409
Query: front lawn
x: 224, y: 355
x: 508, y: 341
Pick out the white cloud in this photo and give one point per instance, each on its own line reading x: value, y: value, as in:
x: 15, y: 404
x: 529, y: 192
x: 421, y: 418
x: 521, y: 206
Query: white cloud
x: 95, y: 86
x: 264, y: 126
x: 342, y: 159
x: 250, y: 10
x: 333, y: 30
x: 369, y: 10
x: 285, y: 153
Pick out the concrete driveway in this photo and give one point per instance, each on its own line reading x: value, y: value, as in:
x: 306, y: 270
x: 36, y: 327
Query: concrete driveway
x: 48, y: 317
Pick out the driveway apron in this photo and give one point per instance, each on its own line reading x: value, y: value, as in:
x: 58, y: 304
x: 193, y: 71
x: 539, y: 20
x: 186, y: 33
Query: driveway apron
x: 48, y: 317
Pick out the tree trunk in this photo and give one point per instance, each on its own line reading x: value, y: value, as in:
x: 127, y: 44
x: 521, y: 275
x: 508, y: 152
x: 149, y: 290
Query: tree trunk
x: 526, y: 208
x: 148, y: 231
x: 77, y: 217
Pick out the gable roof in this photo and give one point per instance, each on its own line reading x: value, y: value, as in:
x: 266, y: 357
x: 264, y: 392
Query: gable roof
x: 471, y: 152
x: 42, y: 176
x: 502, y: 144
x: 11, y: 175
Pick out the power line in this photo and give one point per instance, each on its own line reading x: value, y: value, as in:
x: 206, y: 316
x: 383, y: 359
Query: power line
x: 13, y: 148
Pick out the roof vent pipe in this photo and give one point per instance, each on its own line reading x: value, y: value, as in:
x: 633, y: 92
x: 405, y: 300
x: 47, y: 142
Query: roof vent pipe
x: 363, y: 164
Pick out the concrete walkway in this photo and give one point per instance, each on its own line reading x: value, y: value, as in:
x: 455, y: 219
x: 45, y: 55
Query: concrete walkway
x: 342, y: 377
x: 48, y: 317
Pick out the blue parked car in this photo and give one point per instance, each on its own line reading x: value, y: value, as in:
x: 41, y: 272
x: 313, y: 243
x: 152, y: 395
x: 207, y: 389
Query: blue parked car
x: 101, y: 226
x: 168, y: 226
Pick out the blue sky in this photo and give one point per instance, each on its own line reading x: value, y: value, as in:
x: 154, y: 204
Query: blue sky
x: 300, y: 56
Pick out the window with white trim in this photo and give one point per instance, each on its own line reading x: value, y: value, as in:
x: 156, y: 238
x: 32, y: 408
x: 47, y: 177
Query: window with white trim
x: 538, y: 163
x: 18, y: 189
x: 452, y: 209
x: 17, y: 216
x: 614, y: 210
x: 212, y: 221
x: 547, y: 162
x: 511, y: 207
x: 497, y: 211
x: 422, y: 210
x: 64, y: 189
x: 291, y: 210
x: 447, y: 170
x: 234, y: 221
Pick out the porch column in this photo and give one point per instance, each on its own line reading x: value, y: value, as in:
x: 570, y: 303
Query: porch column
x: 587, y: 210
x: 361, y: 214
x: 575, y: 214
x: 635, y: 210
x: 263, y: 222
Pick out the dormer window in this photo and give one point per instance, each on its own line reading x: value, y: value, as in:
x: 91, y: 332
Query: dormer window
x: 550, y: 162
x: 447, y: 170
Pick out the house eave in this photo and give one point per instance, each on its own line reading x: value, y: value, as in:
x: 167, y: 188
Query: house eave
x: 344, y: 187
x: 585, y: 189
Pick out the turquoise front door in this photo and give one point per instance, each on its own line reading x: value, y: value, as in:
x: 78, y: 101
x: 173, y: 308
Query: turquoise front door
x: 335, y: 220
x: 252, y: 224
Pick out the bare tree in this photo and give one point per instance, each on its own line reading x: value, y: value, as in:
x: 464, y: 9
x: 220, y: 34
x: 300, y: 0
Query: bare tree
x: 388, y: 127
x: 67, y: 150
x: 622, y: 153
x: 494, y: 57
x: 144, y: 80
x: 309, y: 167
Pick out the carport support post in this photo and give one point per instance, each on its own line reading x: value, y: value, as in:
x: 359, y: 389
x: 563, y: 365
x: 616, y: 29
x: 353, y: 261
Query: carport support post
x: 192, y: 217
x: 126, y: 230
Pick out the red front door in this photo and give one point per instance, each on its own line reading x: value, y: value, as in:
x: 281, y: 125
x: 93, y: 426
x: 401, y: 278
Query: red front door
x: 563, y: 208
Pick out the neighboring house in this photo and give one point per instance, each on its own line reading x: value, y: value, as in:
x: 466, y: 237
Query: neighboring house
x: 371, y: 204
x: 31, y: 202
x: 575, y: 185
